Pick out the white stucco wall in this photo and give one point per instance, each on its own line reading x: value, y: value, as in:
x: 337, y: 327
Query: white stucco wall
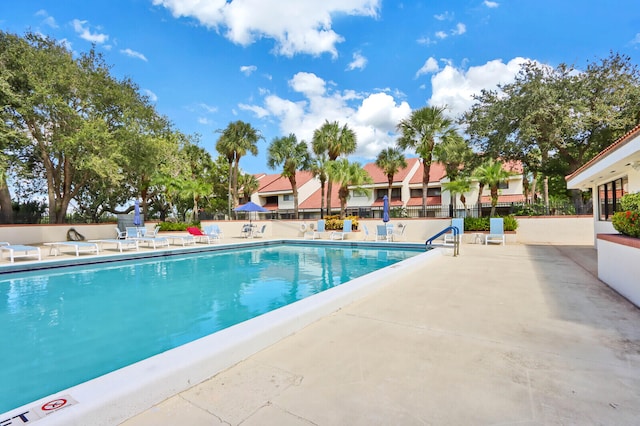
x: 619, y: 267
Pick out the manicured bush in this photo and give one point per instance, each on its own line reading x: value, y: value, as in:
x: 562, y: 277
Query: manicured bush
x: 482, y: 223
x: 627, y: 223
x: 334, y: 223
x: 630, y: 202
x: 176, y: 226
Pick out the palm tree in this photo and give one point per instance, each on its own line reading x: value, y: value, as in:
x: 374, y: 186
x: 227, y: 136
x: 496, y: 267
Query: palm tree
x: 336, y: 141
x: 348, y: 175
x: 235, y: 141
x: 248, y: 184
x: 421, y: 131
x: 459, y: 186
x: 318, y: 167
x: 492, y: 174
x: 391, y: 160
x: 454, y: 153
x: 293, y: 156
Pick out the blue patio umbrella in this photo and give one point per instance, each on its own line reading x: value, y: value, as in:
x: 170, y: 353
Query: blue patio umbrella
x: 251, y: 207
x: 385, y: 209
x: 137, y: 221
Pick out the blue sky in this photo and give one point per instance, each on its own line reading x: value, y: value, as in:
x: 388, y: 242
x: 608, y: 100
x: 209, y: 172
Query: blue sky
x: 286, y: 66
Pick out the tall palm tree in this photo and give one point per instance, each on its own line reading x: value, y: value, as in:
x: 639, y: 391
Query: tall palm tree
x: 391, y: 160
x: 236, y: 140
x: 336, y: 141
x: 318, y: 167
x: 348, y: 175
x: 459, y: 186
x: 420, y: 132
x: 492, y: 174
x: 292, y: 156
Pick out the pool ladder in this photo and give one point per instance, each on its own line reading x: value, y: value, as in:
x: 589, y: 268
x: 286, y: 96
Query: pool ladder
x: 456, y: 238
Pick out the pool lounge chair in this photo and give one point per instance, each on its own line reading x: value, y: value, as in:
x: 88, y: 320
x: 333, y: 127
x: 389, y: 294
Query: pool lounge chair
x: 213, y: 229
x: 458, y: 223
x: 496, y: 231
x: 346, y: 229
x: 201, y: 236
x: 121, y: 244
x: 120, y: 235
x: 365, y: 231
x: 19, y: 250
x: 55, y: 248
x: 181, y: 239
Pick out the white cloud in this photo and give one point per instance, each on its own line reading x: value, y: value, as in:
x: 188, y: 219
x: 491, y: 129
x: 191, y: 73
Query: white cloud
x: 133, y: 54
x: 491, y: 4
x: 441, y: 34
x: 373, y: 117
x: 204, y: 121
x: 430, y: 65
x: 85, y: 33
x: 425, y: 40
x: 295, y: 26
x: 636, y: 39
x: 208, y: 108
x: 446, y: 16
x: 152, y: 96
x: 46, y: 19
x: 455, y: 87
x: 359, y: 62
x: 460, y: 29
x: 248, y: 69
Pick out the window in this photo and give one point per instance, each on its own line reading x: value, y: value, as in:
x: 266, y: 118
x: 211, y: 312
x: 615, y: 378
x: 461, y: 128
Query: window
x: 287, y: 197
x: 503, y: 185
x: 609, y: 195
x: 395, y: 192
x: 431, y: 192
x: 361, y: 193
x: 272, y: 200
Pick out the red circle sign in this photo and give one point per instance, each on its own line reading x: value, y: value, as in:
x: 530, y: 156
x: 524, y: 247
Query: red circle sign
x: 54, y: 405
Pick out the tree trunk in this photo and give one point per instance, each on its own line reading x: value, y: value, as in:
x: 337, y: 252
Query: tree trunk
x: 294, y: 188
x: 329, y: 190
x: 6, y: 207
x: 479, y: 201
x: 426, y: 164
x: 322, y: 199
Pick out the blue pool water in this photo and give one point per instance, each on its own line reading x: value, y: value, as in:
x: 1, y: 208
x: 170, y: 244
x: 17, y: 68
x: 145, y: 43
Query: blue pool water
x: 62, y: 327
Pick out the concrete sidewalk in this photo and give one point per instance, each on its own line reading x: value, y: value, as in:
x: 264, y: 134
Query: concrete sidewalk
x: 511, y: 334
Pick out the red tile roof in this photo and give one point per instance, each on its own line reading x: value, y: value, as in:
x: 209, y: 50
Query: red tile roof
x: 378, y: 175
x: 631, y: 134
x: 436, y: 173
x: 314, y: 200
x: 277, y: 183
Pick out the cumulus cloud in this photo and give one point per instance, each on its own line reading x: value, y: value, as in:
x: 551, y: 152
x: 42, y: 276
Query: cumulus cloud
x: 133, y: 54
x: 491, y: 4
x: 372, y: 117
x: 459, y: 29
x: 636, y: 39
x: 359, y: 62
x: 46, y: 19
x: 446, y: 16
x: 152, y: 96
x: 455, y: 87
x: 208, y: 108
x: 430, y: 65
x: 85, y: 33
x: 248, y: 69
x: 441, y: 34
x: 295, y: 26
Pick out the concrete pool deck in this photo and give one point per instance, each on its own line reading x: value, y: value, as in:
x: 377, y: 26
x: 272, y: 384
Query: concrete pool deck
x: 515, y: 334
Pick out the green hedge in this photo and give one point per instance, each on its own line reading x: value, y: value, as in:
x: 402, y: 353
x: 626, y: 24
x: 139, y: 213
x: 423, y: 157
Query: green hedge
x: 482, y: 223
x: 176, y: 226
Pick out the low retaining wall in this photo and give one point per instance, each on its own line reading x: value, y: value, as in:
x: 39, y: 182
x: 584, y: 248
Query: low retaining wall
x: 569, y: 230
x: 618, y: 264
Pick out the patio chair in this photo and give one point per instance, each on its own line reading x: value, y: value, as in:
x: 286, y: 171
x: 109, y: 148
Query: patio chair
x: 365, y: 231
x: 339, y: 235
x: 320, y: 230
x: 458, y: 223
x: 382, y: 233
x: 496, y: 231
x: 260, y: 233
x: 215, y: 229
x: 154, y: 233
x: 120, y: 235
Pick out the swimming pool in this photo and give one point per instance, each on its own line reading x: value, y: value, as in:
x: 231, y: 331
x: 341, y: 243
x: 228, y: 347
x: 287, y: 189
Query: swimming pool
x: 74, y: 324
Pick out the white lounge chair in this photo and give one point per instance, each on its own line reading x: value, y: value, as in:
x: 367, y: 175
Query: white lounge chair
x: 19, y: 250
x: 346, y: 228
x: 382, y: 233
x: 318, y: 232
x: 365, y: 231
x: 55, y: 248
x: 458, y: 223
x: 120, y: 244
x: 496, y: 231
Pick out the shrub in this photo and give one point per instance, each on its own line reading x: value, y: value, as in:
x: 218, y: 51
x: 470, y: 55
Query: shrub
x: 627, y: 223
x: 482, y: 223
x: 176, y: 226
x: 334, y: 223
x: 630, y: 202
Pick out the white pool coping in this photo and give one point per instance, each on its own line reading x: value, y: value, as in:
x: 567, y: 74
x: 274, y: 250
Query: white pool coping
x: 114, y: 397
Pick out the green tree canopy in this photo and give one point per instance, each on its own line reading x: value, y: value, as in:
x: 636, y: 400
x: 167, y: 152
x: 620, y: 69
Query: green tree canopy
x: 292, y: 156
